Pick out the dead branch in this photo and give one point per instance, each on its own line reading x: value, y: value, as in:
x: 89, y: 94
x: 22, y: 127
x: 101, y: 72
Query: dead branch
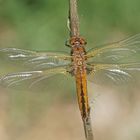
x: 73, y: 18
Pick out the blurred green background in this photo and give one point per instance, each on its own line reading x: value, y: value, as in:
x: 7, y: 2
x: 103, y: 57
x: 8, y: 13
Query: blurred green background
x: 42, y: 25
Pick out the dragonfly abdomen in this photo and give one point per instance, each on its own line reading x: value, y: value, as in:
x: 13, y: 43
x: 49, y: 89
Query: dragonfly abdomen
x: 79, y: 71
x: 81, y: 85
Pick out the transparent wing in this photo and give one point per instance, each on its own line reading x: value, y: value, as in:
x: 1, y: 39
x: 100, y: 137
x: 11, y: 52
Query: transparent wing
x: 127, y: 50
x: 113, y: 74
x: 29, y: 79
x: 34, y: 59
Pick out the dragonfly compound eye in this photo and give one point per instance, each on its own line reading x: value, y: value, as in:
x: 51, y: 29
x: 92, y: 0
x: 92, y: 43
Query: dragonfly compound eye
x: 82, y: 41
x: 73, y: 41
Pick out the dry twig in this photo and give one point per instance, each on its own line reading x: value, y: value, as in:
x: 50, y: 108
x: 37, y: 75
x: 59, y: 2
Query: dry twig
x: 74, y: 31
x: 73, y: 18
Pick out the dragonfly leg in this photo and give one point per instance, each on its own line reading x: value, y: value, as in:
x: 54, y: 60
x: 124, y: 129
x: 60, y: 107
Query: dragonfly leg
x: 67, y: 43
x: 71, y: 72
x: 89, y: 69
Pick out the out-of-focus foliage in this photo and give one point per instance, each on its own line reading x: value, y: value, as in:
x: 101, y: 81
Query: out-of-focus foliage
x: 37, y: 23
x: 42, y: 24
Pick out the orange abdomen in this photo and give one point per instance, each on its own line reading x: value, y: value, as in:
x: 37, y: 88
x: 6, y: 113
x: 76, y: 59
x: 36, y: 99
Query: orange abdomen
x: 81, y: 86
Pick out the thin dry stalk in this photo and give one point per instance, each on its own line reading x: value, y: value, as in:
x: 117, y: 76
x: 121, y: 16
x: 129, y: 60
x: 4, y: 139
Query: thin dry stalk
x: 73, y: 18
x: 74, y: 31
x: 88, y: 129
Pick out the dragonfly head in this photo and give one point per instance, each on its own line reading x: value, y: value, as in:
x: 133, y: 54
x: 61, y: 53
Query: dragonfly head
x: 76, y: 42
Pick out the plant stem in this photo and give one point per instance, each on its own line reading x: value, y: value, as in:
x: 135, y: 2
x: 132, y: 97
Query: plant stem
x: 74, y: 31
x: 88, y: 128
x: 73, y: 18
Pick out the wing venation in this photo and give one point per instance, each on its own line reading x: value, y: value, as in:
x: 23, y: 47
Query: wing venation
x: 29, y: 78
x: 34, y: 59
x: 114, y: 74
x: 124, y: 51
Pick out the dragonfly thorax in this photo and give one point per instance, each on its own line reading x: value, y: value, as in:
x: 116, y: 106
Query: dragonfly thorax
x: 78, y: 59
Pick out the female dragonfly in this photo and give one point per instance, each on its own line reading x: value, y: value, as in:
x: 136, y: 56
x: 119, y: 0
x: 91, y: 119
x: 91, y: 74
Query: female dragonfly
x: 116, y: 61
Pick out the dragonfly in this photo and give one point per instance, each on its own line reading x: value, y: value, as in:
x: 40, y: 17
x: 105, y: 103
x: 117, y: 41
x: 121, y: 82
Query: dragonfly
x: 115, y: 61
